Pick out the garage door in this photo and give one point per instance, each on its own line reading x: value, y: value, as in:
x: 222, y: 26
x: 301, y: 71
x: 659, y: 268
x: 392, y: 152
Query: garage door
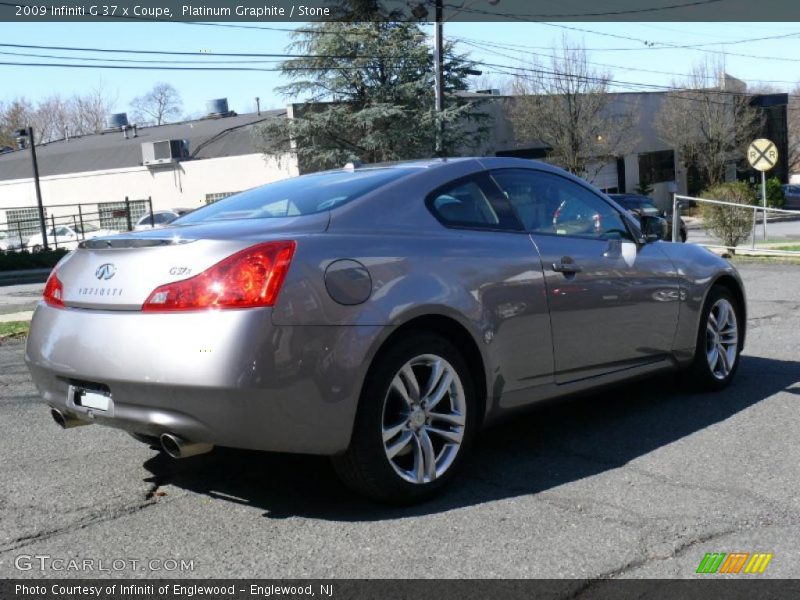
x: 606, y: 177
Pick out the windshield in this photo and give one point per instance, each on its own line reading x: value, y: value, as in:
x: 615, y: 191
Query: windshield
x: 297, y: 196
x: 86, y: 227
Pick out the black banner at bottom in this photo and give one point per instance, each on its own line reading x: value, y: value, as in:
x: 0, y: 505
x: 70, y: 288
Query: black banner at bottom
x: 398, y: 589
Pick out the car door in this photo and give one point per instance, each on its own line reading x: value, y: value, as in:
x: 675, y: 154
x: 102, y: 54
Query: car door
x: 613, y: 301
x: 493, y: 258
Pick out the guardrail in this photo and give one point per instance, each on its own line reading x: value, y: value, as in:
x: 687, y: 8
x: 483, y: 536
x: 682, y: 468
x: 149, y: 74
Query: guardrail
x: 678, y: 201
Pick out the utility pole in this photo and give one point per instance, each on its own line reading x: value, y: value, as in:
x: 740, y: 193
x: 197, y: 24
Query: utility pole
x: 438, y: 65
x: 21, y: 135
x: 438, y: 69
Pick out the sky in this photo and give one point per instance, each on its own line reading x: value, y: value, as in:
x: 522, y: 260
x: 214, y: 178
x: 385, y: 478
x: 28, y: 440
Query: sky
x: 631, y: 62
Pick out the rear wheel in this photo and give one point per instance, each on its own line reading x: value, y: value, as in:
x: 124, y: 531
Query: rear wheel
x: 414, y: 424
x: 718, y: 341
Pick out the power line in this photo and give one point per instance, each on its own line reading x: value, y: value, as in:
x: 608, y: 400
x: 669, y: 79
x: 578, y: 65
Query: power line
x: 640, y: 87
x: 140, y: 60
x: 488, y: 46
x: 534, y: 16
x: 669, y: 46
x: 182, y: 53
x: 173, y: 68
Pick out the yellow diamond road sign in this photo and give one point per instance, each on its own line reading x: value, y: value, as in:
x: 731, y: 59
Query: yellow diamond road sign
x: 762, y: 154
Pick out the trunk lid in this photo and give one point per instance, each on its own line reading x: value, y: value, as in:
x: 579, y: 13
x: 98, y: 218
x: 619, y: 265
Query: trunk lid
x: 120, y: 272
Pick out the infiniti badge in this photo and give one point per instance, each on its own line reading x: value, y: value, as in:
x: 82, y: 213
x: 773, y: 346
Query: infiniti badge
x: 105, y: 271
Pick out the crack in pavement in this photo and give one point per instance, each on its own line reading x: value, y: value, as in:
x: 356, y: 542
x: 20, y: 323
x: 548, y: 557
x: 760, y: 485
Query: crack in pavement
x: 589, y: 585
x: 152, y: 497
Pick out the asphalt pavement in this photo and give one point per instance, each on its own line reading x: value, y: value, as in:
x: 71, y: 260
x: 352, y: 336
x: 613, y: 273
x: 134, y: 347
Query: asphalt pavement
x: 639, y: 481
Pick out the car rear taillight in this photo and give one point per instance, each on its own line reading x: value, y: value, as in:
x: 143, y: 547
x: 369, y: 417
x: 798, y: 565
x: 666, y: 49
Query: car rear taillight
x: 249, y: 278
x: 54, y: 291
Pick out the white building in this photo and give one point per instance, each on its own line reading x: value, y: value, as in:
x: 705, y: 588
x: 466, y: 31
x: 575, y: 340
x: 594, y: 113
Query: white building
x: 207, y: 159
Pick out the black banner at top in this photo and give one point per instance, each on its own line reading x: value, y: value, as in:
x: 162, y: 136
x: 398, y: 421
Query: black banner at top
x: 398, y: 10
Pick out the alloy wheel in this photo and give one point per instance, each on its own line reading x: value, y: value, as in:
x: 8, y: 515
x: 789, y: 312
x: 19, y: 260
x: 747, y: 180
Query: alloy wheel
x: 722, y: 338
x: 424, y: 416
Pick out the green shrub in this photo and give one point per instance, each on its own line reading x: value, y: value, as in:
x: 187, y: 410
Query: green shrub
x: 775, y: 197
x: 12, y: 261
x: 644, y: 188
x: 728, y: 224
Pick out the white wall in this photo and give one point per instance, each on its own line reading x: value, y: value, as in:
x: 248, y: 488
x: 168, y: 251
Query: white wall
x: 184, y: 184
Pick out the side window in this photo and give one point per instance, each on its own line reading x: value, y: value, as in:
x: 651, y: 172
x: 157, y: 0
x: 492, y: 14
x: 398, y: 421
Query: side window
x: 466, y: 203
x: 547, y: 203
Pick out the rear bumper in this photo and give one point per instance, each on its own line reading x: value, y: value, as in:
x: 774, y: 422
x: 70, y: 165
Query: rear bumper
x: 228, y: 378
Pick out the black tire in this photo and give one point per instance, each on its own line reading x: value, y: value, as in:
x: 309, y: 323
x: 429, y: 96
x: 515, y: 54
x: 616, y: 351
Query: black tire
x: 365, y: 467
x: 702, y: 376
x: 683, y: 236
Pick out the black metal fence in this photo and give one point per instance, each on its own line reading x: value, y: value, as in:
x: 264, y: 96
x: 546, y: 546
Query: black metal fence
x: 68, y: 224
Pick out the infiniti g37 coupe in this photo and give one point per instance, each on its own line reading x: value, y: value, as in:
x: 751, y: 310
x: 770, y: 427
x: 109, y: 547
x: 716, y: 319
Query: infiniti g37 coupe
x: 380, y: 315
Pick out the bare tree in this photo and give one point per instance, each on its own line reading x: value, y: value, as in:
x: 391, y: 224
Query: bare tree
x: 793, y: 121
x: 158, y: 106
x: 52, y: 119
x: 56, y: 117
x: 88, y: 113
x: 13, y: 116
x: 708, y: 121
x: 565, y: 104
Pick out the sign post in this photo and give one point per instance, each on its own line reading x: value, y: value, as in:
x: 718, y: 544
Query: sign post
x: 762, y: 156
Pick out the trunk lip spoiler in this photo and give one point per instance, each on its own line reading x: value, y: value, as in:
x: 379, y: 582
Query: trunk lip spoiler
x: 102, y: 243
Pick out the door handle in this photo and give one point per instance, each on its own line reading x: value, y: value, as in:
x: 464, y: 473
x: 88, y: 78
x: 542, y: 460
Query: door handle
x: 566, y: 266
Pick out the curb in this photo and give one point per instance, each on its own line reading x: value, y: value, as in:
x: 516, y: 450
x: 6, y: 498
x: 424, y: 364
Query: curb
x: 26, y: 315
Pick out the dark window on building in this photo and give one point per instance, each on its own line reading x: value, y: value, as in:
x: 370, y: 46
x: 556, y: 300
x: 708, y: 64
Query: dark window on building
x: 657, y: 167
x: 113, y: 215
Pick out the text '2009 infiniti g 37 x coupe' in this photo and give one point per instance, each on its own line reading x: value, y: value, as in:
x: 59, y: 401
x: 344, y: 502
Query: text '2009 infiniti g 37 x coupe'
x: 380, y: 315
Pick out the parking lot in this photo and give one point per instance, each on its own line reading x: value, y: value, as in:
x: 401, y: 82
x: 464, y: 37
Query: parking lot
x: 639, y: 481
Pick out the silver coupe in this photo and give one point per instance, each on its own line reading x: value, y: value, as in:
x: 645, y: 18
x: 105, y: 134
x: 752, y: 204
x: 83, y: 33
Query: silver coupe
x: 380, y: 315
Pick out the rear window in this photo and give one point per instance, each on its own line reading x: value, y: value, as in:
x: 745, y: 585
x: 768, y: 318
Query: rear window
x: 297, y: 196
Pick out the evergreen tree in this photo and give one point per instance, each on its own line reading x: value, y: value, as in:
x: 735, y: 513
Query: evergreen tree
x: 368, y: 94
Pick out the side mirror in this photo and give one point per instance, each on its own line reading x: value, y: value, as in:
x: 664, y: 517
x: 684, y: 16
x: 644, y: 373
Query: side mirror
x: 653, y: 228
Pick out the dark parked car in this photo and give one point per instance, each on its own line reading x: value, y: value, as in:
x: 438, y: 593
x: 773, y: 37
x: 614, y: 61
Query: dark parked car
x: 378, y: 315
x: 791, y: 192
x: 642, y: 205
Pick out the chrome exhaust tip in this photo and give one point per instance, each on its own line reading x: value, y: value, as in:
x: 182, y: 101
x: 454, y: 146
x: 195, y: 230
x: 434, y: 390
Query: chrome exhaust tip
x: 66, y: 420
x: 177, y: 447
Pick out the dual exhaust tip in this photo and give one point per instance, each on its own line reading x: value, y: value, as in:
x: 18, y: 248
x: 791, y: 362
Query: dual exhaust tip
x: 173, y: 445
x: 177, y: 447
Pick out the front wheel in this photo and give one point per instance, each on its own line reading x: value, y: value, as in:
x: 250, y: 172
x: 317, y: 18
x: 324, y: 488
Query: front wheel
x: 415, y: 420
x: 718, y: 341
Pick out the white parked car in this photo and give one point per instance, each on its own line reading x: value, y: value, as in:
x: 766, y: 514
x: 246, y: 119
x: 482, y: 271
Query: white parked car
x: 67, y: 236
x: 161, y: 218
x: 11, y: 241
